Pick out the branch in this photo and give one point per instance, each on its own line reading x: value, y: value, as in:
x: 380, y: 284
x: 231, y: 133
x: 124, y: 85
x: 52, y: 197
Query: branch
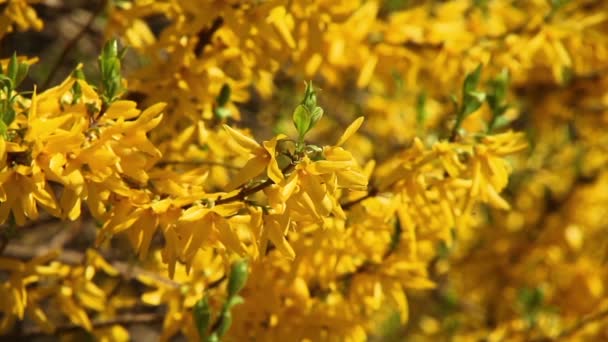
x: 126, y: 319
x: 196, y: 163
x: 373, y: 191
x: 250, y: 191
x: 582, y: 323
x: 205, y: 35
x: 71, y: 257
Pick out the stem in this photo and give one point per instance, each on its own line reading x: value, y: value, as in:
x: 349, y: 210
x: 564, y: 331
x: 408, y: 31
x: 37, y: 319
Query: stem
x: 250, y: 191
x: 456, y: 127
x: 196, y: 163
x: 373, y: 191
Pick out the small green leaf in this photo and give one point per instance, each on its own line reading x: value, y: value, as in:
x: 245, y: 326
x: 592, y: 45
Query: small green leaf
x: 471, y: 106
x: 222, y: 113
x: 213, y: 338
x: 224, y: 95
x: 3, y: 129
x: 13, y: 68
x: 472, y: 80
x: 421, y: 109
x: 234, y: 300
x: 201, y: 313
x: 22, y: 71
x: 317, y: 113
x: 310, y: 97
x: 301, y: 119
x: 9, y: 115
x: 238, y: 277
x: 225, y: 324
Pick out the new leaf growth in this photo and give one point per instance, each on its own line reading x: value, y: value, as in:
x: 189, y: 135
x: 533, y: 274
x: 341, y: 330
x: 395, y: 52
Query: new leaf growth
x: 109, y: 66
x: 307, y: 113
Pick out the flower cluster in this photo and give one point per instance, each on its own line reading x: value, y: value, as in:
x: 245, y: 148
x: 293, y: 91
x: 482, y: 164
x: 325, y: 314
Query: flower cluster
x: 446, y: 182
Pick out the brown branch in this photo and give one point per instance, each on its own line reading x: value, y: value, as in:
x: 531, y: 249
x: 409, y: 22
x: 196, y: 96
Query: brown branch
x: 72, y: 257
x: 250, y: 191
x: 196, y: 163
x: 205, y: 35
x: 373, y: 191
x: 72, y: 43
x: 582, y: 323
x: 125, y: 319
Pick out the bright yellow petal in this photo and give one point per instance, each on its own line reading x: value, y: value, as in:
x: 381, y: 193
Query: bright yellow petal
x: 350, y: 131
x: 244, y: 141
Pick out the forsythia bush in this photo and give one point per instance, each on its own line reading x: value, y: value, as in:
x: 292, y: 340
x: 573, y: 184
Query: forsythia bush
x: 311, y: 170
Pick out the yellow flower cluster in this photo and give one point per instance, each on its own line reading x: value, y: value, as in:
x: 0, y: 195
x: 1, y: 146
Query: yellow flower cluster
x: 426, y: 214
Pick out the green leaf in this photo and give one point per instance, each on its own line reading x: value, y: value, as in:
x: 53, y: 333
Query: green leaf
x: 22, y: 71
x: 316, y: 115
x: 3, y: 129
x: 225, y: 324
x: 301, y: 119
x: 310, y: 97
x: 224, y: 96
x: 222, y: 113
x: 9, y: 115
x: 472, y: 80
x: 13, y: 68
x: 201, y: 313
x: 471, y: 106
x: 238, y: 277
x: 234, y: 300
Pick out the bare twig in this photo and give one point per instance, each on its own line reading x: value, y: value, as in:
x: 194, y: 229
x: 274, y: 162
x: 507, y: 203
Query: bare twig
x: 196, y: 163
x: 125, y: 319
x: 250, y: 191
x: 72, y: 257
x: 582, y: 323
x: 205, y: 35
x: 373, y: 191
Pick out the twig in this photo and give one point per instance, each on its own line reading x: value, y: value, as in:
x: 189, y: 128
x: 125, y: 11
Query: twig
x: 250, y: 191
x: 72, y: 257
x: 126, y: 319
x: 205, y: 35
x: 373, y: 191
x: 196, y: 163
x: 582, y: 323
x: 70, y: 44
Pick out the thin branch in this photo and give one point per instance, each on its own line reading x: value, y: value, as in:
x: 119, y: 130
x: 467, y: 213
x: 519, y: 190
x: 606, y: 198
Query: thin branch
x: 582, y: 323
x: 125, y: 319
x: 242, y: 195
x: 205, y: 35
x: 197, y: 163
x: 373, y: 191
x: 72, y: 257
x: 72, y: 43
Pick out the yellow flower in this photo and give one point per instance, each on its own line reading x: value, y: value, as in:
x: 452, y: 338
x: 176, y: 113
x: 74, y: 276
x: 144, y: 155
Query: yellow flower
x: 264, y: 158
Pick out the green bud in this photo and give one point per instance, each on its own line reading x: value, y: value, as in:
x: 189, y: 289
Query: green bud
x: 222, y: 113
x: 201, y: 313
x: 22, y: 71
x: 310, y: 97
x: 238, y: 277
x: 13, y: 69
x: 224, y: 96
x: 301, y: 119
x: 234, y: 300
x: 307, y: 113
x: 472, y: 80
